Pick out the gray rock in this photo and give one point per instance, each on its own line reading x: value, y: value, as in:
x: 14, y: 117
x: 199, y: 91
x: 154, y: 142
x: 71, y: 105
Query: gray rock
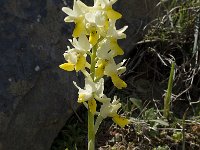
x: 36, y: 97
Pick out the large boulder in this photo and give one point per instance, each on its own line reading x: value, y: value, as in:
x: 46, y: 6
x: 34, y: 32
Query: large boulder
x: 36, y: 97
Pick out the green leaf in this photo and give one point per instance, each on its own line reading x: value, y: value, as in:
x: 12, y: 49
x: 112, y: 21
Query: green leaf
x: 137, y: 103
x: 150, y: 114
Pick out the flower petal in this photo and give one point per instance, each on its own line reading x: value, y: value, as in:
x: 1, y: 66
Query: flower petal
x: 76, y: 8
x: 116, y: 48
x: 93, y: 37
x: 99, y: 73
x: 92, y: 106
x: 119, y: 83
x: 68, y: 11
x: 112, y: 14
x: 84, y: 42
x: 81, y: 61
x: 69, y: 19
x: 79, y: 29
x: 67, y: 66
x: 121, y: 121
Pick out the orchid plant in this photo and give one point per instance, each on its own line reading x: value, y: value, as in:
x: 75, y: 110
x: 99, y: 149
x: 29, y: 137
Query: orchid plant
x: 95, y: 39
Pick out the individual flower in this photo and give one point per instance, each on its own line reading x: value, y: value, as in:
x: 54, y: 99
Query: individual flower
x: 113, y: 35
x: 113, y: 70
x: 75, y: 61
x: 76, y: 57
x: 107, y: 66
x: 90, y: 89
x: 97, y: 24
x: 77, y: 16
x: 106, y: 5
x: 109, y: 109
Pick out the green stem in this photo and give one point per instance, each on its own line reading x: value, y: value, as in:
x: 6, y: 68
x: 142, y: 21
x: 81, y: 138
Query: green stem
x: 91, y: 130
x: 93, y: 62
x: 167, y: 99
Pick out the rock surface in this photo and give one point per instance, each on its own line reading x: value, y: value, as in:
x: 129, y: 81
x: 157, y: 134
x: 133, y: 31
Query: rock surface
x: 36, y: 97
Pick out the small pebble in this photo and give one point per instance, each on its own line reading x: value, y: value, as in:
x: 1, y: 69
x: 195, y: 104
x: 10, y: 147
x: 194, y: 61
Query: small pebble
x: 37, y: 68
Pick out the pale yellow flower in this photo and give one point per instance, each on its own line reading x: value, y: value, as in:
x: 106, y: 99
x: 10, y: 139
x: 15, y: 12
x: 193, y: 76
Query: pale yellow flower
x: 113, y: 35
x: 109, y: 109
x: 77, y: 16
x: 76, y: 57
x: 106, y: 5
x: 75, y: 61
x: 91, y: 87
x: 107, y: 66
